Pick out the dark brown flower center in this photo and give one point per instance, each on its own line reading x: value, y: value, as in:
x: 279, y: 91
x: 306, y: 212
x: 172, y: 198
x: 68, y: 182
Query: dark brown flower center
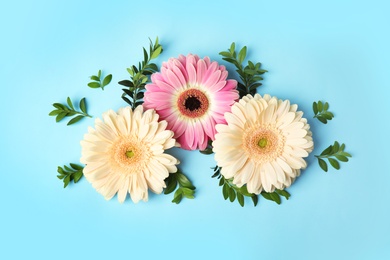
x: 193, y: 103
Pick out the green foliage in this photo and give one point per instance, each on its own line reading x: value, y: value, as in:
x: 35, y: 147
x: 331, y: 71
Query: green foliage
x: 232, y: 192
x: 250, y: 75
x: 334, y: 154
x: 68, y: 174
x: 209, y: 148
x: 321, y: 112
x: 69, y: 110
x: 186, y: 189
x: 97, y: 80
x: 139, y: 76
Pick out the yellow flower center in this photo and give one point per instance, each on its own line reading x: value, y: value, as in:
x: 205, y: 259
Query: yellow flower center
x: 129, y: 155
x: 263, y: 143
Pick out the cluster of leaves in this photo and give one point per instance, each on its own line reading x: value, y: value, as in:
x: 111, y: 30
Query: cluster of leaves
x: 139, y: 76
x: 321, y: 112
x: 97, y: 80
x: 232, y: 192
x: 186, y: 189
x: 250, y: 75
x: 334, y: 153
x: 69, y: 110
x: 68, y: 174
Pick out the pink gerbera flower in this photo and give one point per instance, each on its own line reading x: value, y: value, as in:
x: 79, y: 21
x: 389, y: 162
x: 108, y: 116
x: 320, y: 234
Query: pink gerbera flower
x: 192, y: 95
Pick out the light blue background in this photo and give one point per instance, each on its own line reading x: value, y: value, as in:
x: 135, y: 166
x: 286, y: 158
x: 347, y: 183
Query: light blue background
x: 337, y: 51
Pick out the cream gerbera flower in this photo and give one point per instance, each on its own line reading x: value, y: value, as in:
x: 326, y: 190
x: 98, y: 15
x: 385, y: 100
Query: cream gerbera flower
x: 125, y: 154
x: 263, y: 144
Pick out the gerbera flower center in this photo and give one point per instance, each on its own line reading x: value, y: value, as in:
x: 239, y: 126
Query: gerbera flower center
x: 128, y: 156
x: 193, y: 103
x: 263, y: 143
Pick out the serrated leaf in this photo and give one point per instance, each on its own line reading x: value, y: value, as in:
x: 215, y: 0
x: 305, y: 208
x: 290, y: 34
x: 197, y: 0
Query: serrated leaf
x: 94, y: 85
x: 335, y: 164
x: 323, y: 164
x: 75, y: 120
x: 83, y: 106
x: 107, y: 80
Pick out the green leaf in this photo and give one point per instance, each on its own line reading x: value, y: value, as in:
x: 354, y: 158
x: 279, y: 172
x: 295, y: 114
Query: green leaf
x: 275, y: 197
x: 96, y: 78
x: 76, y: 167
x: 171, y: 184
x: 232, y: 195
x: 315, y: 109
x: 94, y: 84
x: 75, y: 120
x: 335, y: 164
x: 225, y: 191
x: 156, y: 53
x: 341, y: 158
x: 178, y: 196
x: 255, y: 199
x: 99, y: 74
x: 83, y: 106
x: 283, y: 193
x: 184, y: 181
x: 320, y: 106
x: 54, y: 112
x: 69, y: 103
x: 60, y: 116
x: 323, y: 164
x: 77, y: 176
x: 107, y: 80
x: 242, y: 55
x: 240, y: 199
x: 326, y: 106
x: 327, y: 151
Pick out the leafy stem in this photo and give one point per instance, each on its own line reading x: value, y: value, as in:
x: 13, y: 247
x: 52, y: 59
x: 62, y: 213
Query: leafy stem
x: 97, y: 80
x: 140, y: 76
x: 232, y: 192
x: 334, y: 154
x: 68, y: 174
x: 321, y: 112
x: 250, y: 74
x: 68, y: 110
x: 186, y: 189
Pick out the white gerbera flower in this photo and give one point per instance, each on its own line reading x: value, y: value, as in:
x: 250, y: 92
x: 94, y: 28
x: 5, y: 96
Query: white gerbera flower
x: 125, y: 154
x: 263, y: 143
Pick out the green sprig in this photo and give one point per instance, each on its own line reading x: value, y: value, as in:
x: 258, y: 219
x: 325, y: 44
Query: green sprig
x: 250, y: 75
x: 140, y: 76
x: 67, y: 174
x: 186, y: 189
x: 321, y: 112
x: 69, y: 110
x: 334, y: 154
x: 232, y: 192
x: 97, y: 80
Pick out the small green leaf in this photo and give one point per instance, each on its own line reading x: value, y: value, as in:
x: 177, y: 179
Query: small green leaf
x: 184, y: 181
x: 283, y: 193
x: 96, y: 78
x: 69, y: 103
x: 75, y: 120
x: 60, y: 116
x: 242, y: 55
x: 323, y: 164
x: 54, y: 112
x: 326, y: 106
x: 232, y: 195
x: 320, y: 106
x: 334, y: 163
x: 156, y: 53
x: 94, y: 84
x: 275, y: 197
x: 107, y: 80
x: 255, y: 199
x: 225, y: 191
x: 240, y: 199
x: 77, y: 176
x: 83, y: 106
x: 99, y: 74
x: 178, y: 196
